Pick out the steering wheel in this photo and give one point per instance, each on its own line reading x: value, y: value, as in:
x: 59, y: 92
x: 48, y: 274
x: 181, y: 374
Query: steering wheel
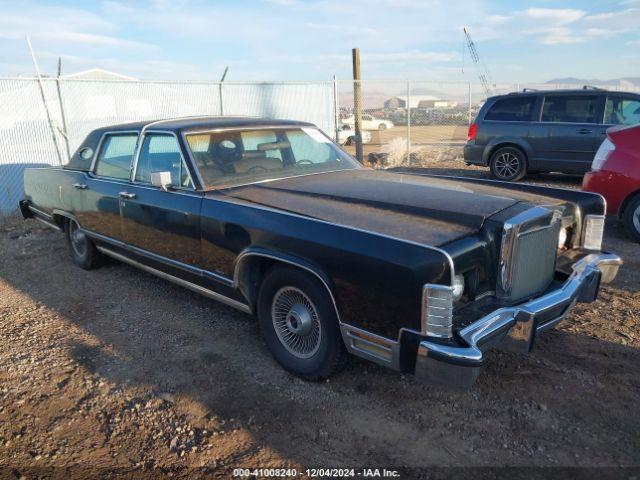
x: 304, y: 161
x: 257, y: 169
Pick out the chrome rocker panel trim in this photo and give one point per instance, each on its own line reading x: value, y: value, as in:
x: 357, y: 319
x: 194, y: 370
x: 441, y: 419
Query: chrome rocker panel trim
x: 511, y: 328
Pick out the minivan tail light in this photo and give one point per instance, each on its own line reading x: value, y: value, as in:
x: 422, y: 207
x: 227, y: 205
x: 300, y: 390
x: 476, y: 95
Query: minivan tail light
x: 606, y: 148
x: 473, y: 129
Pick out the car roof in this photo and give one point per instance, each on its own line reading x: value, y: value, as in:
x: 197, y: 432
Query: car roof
x: 201, y: 123
x: 564, y: 91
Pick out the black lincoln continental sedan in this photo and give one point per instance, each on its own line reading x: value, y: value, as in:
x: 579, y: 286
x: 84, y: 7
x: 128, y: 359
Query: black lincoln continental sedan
x: 420, y: 273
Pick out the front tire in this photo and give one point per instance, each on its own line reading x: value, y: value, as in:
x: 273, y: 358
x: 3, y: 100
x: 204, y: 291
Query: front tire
x: 82, y: 249
x: 508, y: 164
x: 382, y: 126
x: 299, y: 324
x: 631, y: 218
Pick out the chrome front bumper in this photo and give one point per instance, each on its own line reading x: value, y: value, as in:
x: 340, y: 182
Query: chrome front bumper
x: 512, y: 328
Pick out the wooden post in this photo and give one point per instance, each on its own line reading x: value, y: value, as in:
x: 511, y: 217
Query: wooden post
x: 357, y: 103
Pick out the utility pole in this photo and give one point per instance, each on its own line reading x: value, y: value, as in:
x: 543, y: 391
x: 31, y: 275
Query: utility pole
x: 357, y: 102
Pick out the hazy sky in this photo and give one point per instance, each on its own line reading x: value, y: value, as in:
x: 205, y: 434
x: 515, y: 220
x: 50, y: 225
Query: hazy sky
x: 309, y: 40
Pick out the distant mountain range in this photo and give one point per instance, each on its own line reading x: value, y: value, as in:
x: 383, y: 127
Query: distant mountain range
x: 621, y: 82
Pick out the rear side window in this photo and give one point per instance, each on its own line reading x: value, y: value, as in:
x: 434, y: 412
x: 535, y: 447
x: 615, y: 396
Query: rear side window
x: 570, y: 109
x: 515, y: 109
x: 116, y: 153
x: 621, y: 111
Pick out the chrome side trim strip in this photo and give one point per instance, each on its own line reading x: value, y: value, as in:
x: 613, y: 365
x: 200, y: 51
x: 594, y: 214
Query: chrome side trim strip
x: 37, y: 211
x: 178, y: 281
x: 162, y: 259
x: 48, y: 224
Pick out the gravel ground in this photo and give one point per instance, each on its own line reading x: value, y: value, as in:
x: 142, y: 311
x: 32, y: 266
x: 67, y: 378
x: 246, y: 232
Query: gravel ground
x: 115, y: 372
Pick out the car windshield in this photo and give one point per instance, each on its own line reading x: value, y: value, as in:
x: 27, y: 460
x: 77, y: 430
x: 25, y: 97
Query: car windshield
x: 238, y: 157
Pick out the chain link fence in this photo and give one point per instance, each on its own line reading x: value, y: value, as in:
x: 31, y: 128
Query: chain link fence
x: 77, y: 107
x: 416, y: 123
x: 403, y: 122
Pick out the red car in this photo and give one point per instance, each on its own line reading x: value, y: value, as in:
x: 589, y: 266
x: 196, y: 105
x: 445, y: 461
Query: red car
x: 615, y: 174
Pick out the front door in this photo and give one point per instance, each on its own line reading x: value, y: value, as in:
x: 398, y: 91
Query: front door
x: 164, y: 223
x: 572, y: 132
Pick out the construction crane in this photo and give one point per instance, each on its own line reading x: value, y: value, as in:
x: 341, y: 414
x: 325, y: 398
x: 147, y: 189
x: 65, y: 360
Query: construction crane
x: 483, y: 71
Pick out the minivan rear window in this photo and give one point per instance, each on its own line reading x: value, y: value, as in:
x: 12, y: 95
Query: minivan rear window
x: 516, y: 109
x: 570, y: 109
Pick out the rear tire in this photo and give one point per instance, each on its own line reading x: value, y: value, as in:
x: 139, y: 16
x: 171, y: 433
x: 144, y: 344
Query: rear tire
x: 382, y: 126
x: 299, y: 324
x: 82, y: 249
x: 631, y: 218
x: 508, y: 164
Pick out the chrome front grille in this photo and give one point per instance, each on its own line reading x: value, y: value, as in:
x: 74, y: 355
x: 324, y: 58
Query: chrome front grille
x: 528, y: 254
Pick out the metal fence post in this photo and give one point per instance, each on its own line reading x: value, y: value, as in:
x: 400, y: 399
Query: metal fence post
x: 63, y: 116
x: 336, y: 117
x: 469, y: 120
x: 408, y: 122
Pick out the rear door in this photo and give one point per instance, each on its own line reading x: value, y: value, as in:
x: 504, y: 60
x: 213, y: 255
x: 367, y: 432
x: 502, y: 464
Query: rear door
x: 164, y: 223
x: 97, y: 201
x: 572, y: 125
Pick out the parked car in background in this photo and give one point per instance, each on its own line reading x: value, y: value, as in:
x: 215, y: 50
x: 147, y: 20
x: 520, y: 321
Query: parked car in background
x: 546, y: 131
x: 347, y: 135
x: 420, y: 273
x: 369, y: 122
x: 615, y: 174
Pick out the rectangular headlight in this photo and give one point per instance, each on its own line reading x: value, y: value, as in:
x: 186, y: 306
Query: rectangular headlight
x: 593, y: 232
x: 437, y: 310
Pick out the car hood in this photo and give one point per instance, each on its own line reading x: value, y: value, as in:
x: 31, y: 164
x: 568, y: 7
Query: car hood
x: 425, y: 210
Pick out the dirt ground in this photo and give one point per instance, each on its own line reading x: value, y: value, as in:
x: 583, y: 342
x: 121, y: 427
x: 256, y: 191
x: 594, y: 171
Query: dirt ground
x: 115, y: 372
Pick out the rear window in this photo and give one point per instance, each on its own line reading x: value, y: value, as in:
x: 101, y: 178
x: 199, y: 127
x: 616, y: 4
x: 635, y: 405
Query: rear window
x: 516, y: 109
x: 622, y: 111
x: 570, y: 109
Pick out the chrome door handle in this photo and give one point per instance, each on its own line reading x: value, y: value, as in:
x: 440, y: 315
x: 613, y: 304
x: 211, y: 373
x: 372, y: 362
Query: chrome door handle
x: 127, y: 195
x: 584, y: 131
x: 80, y: 186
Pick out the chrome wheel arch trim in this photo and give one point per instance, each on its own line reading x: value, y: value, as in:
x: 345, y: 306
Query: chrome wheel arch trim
x: 299, y: 263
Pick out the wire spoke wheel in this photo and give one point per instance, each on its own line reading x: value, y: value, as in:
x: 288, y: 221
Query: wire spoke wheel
x: 507, y: 165
x: 296, y: 322
x: 78, y: 239
x: 636, y: 219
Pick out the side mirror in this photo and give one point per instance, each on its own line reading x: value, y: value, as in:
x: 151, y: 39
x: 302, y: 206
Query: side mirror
x: 161, y: 179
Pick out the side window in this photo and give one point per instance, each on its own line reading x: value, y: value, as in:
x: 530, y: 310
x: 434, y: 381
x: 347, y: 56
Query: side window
x: 570, y: 109
x: 621, y: 111
x: 161, y: 153
x: 516, y: 109
x: 116, y: 153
